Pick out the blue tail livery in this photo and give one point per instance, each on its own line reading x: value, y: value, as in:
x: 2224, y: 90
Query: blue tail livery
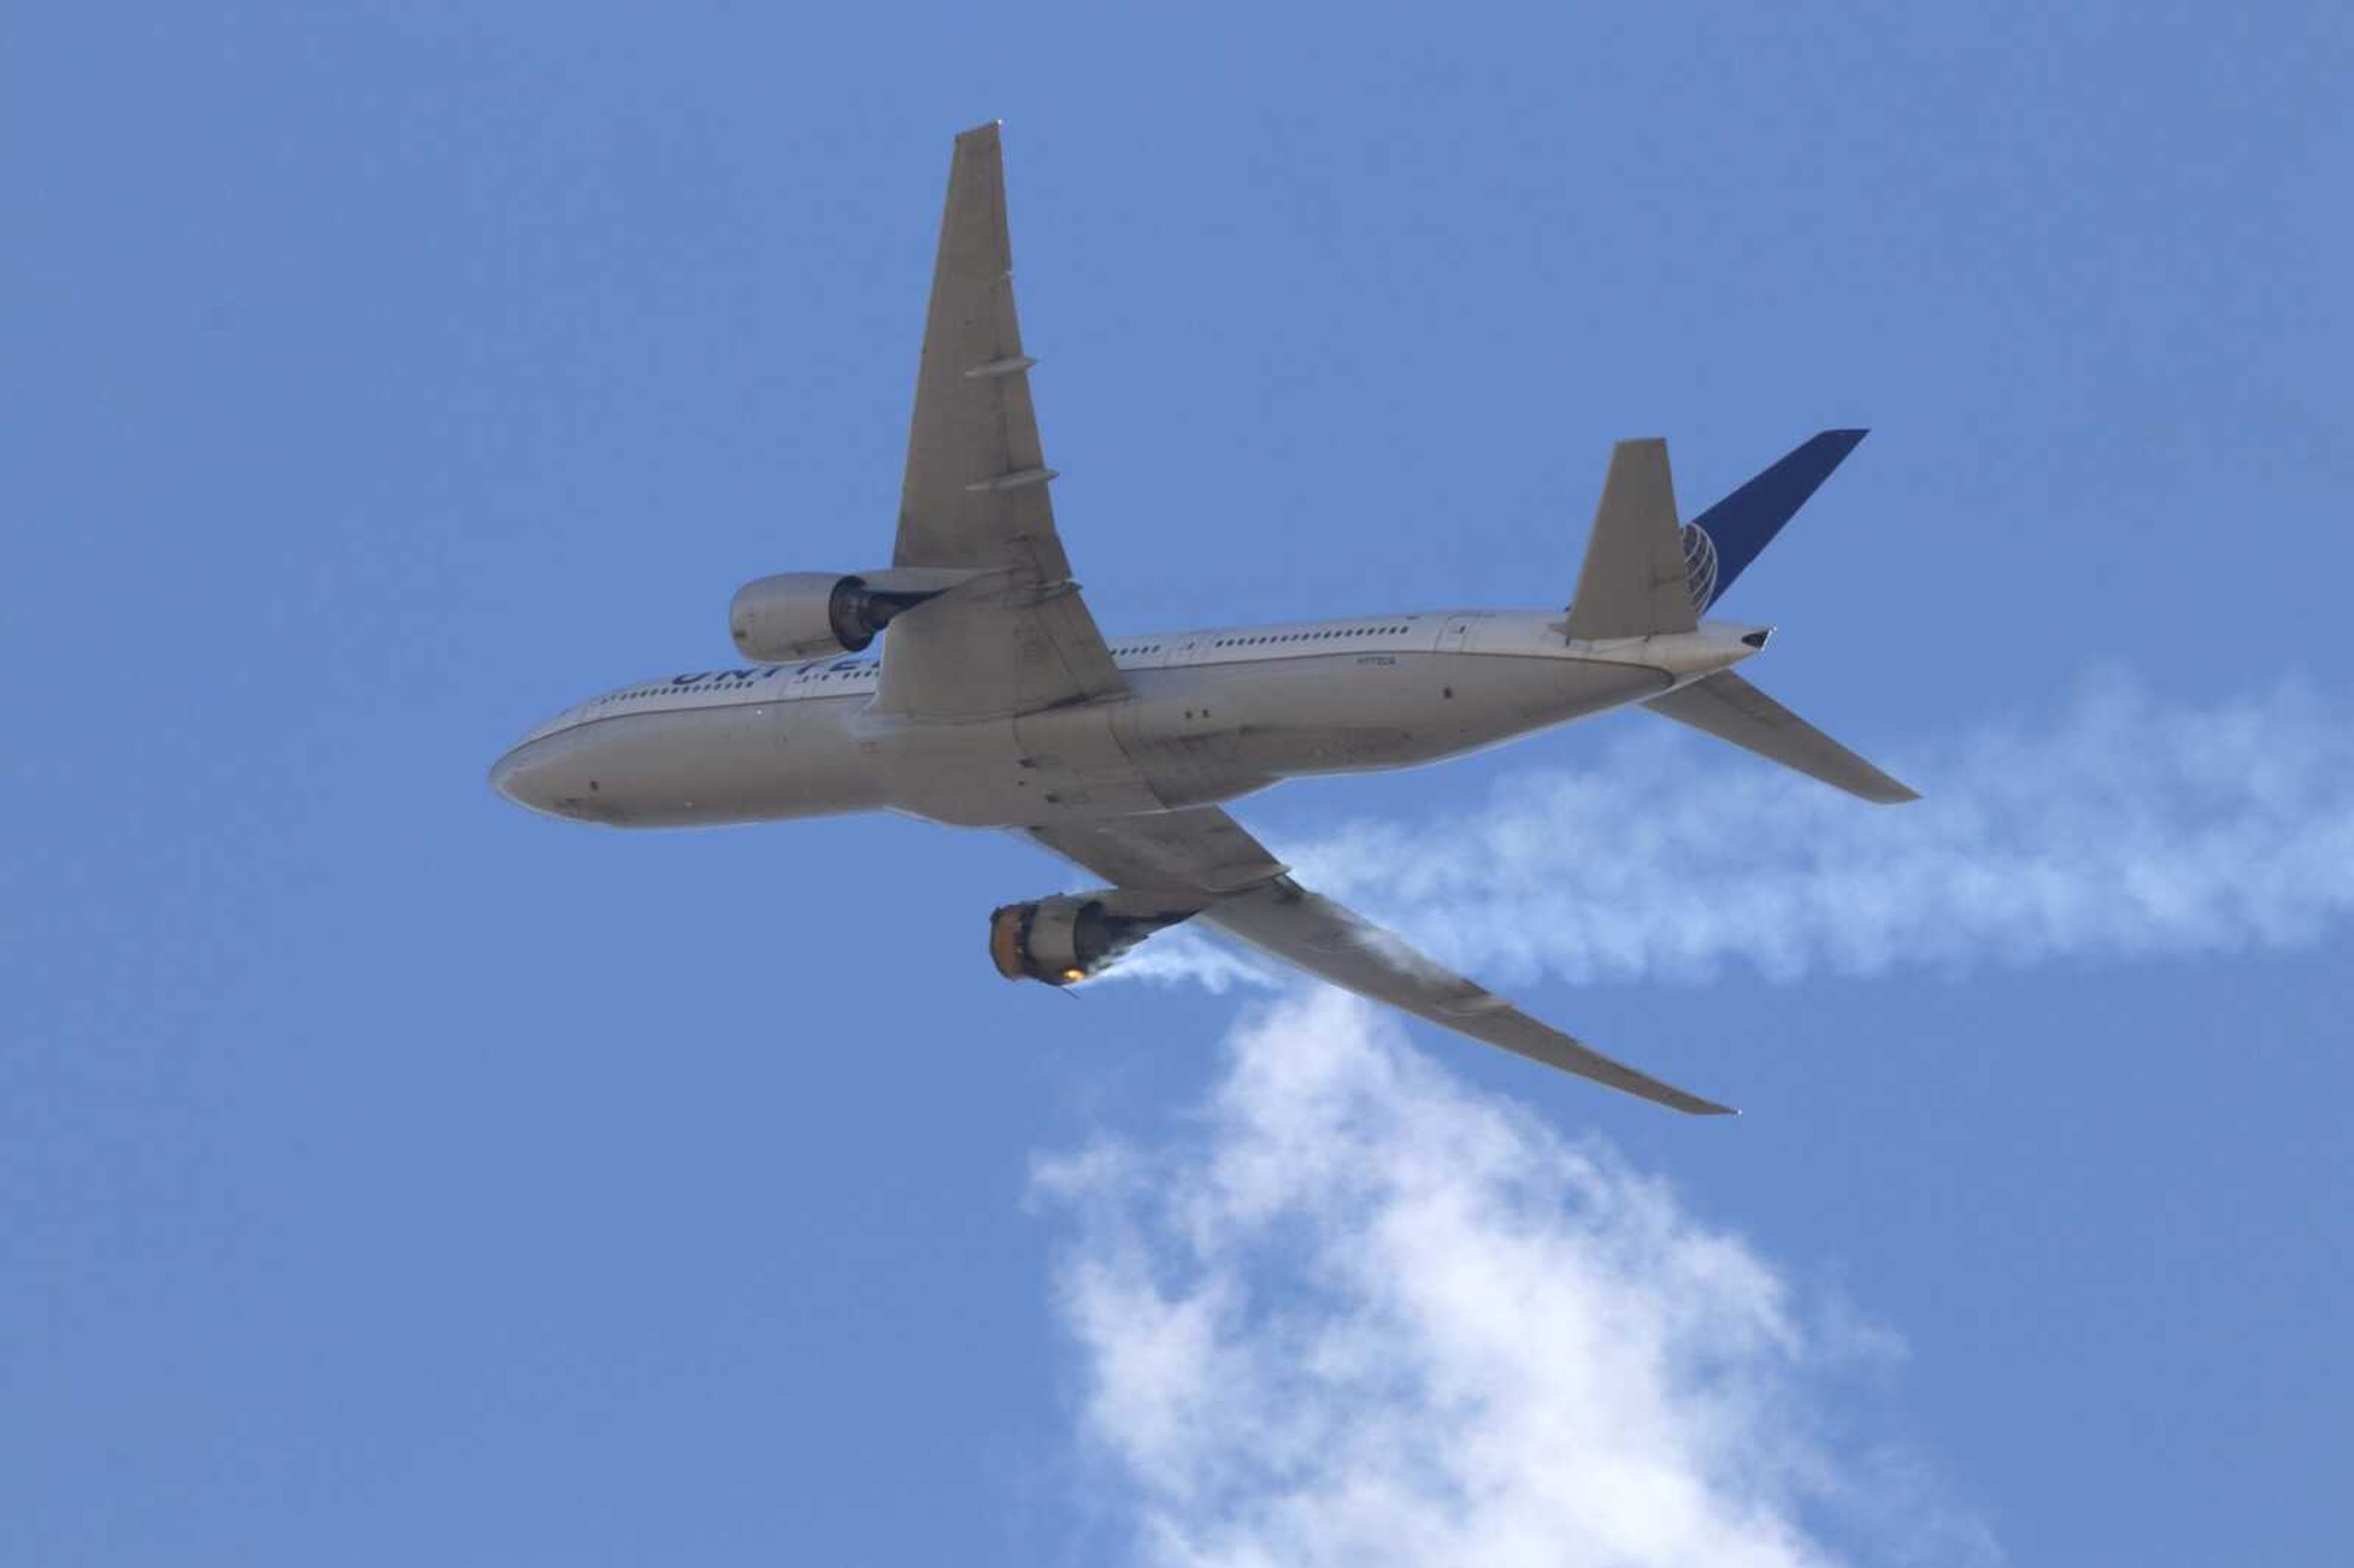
x: 1733, y: 532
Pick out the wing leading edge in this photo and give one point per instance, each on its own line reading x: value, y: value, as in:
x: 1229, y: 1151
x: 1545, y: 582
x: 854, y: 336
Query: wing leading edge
x: 1018, y: 638
x: 1205, y: 850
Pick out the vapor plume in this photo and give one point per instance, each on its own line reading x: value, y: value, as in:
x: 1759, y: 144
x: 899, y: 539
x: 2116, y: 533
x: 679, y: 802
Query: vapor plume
x: 2123, y: 829
x: 1359, y: 1313
x: 1355, y: 1311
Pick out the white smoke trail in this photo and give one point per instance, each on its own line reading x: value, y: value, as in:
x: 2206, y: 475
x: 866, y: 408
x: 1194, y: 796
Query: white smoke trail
x: 1361, y: 1314
x: 2123, y: 829
x: 1184, y: 957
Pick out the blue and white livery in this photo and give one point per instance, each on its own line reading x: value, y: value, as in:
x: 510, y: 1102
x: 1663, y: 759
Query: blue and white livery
x: 995, y: 701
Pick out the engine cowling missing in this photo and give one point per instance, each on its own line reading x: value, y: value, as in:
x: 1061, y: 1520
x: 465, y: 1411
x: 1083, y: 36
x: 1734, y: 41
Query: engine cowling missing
x: 1074, y: 937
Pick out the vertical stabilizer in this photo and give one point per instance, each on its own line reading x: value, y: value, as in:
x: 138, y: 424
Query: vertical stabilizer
x: 1735, y: 530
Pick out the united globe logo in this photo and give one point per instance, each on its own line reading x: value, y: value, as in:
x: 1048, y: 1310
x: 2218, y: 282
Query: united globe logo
x: 1700, y: 565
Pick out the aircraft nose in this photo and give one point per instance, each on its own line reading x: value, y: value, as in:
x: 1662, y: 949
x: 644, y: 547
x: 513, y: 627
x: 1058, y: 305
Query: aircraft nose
x: 503, y: 775
x: 517, y: 777
x: 554, y: 775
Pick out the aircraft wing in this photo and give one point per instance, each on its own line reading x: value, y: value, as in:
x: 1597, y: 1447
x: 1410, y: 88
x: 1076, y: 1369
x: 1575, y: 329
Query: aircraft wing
x: 1206, y: 851
x: 1017, y: 637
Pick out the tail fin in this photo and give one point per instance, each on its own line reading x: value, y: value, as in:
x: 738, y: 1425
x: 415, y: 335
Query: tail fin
x: 1729, y: 708
x: 1634, y: 582
x: 1737, y: 528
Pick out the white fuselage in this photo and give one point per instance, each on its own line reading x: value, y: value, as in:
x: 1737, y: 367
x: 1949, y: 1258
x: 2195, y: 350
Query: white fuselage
x: 1209, y: 716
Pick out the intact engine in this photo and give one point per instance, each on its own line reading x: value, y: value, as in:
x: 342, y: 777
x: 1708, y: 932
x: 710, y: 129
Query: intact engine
x: 807, y: 615
x: 1075, y: 936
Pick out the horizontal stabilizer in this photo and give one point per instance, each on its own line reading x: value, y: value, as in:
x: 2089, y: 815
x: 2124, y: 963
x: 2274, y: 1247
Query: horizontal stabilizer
x: 1729, y: 708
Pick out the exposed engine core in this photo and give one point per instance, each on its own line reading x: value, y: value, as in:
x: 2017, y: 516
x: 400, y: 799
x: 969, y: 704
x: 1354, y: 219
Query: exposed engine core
x: 1067, y: 939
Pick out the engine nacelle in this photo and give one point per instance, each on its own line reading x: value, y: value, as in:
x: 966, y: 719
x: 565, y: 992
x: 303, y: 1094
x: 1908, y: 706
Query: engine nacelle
x: 807, y: 615
x: 1073, y: 935
x: 801, y: 614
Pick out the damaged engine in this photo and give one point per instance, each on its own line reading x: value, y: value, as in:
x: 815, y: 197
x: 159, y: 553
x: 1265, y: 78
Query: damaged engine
x: 1075, y: 936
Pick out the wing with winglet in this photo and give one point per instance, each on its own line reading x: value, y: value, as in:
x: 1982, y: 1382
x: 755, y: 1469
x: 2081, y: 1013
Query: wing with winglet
x: 1016, y: 637
x: 1206, y: 852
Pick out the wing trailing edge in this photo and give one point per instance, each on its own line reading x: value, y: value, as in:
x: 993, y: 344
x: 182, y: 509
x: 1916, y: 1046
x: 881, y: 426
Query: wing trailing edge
x: 1245, y: 893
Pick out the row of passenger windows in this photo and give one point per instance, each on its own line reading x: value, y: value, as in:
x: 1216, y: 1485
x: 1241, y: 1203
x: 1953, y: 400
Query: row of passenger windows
x: 742, y: 681
x: 1135, y: 650
x: 1307, y: 636
x: 666, y: 690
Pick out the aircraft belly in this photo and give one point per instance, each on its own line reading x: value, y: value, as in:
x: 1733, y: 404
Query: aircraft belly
x: 1324, y: 716
x: 1182, y: 731
x: 1196, y: 737
x: 1515, y: 695
x: 732, y: 763
x: 1079, y: 763
x: 1059, y: 765
x: 961, y: 773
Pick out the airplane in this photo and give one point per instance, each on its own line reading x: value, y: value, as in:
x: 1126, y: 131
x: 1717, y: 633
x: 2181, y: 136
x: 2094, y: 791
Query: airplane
x: 995, y: 702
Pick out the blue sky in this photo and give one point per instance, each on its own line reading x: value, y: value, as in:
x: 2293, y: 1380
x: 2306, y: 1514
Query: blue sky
x: 390, y: 1177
